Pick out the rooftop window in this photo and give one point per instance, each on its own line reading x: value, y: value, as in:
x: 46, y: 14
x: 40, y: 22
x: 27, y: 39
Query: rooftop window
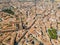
x: 0, y: 19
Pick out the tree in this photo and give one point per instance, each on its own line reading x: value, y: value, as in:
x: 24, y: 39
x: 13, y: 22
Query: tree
x: 52, y: 33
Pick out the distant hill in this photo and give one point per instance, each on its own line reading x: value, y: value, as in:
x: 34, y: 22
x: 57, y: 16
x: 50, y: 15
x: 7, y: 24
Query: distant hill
x: 2, y: 1
x: 57, y: 0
